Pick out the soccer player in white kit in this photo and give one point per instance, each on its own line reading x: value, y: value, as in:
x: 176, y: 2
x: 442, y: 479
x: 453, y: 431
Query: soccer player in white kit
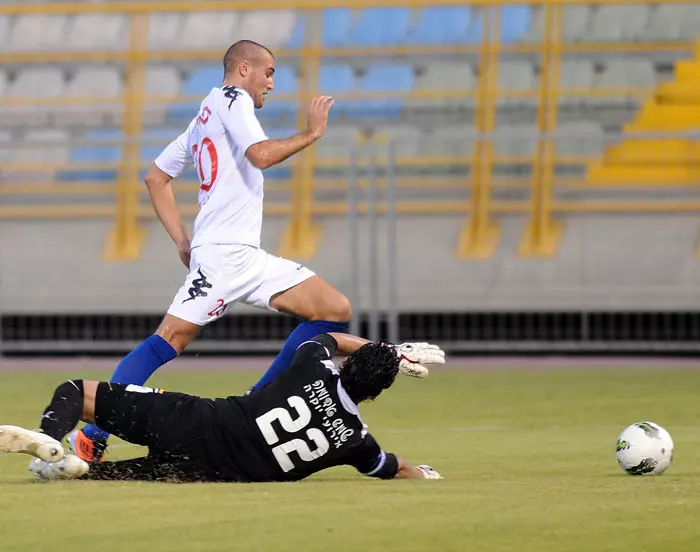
x: 229, y: 151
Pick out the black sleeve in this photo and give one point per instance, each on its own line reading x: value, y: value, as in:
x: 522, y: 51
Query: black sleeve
x: 320, y: 347
x: 370, y: 460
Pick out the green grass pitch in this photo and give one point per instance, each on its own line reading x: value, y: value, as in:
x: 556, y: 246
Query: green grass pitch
x: 528, y: 459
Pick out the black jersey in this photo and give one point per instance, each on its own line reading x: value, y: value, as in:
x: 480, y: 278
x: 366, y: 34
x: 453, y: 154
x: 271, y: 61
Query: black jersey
x: 301, y: 423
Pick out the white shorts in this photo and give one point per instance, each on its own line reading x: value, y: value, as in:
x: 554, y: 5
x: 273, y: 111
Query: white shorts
x: 221, y: 275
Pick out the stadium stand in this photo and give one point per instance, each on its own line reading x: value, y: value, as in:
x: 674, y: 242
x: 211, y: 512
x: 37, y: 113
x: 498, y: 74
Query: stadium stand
x: 421, y: 77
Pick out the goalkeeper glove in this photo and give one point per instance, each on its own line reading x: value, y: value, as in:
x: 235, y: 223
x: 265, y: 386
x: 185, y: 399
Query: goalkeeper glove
x: 413, y: 356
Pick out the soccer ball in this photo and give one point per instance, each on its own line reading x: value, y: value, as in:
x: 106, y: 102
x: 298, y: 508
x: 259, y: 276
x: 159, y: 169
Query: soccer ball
x: 645, y: 448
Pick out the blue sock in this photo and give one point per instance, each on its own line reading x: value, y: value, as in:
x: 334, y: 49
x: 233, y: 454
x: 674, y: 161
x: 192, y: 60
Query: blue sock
x: 303, y: 332
x: 135, y: 368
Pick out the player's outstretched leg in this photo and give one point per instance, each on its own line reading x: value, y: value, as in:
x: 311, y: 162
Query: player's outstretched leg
x: 26, y: 441
x: 59, y: 418
x: 324, y: 309
x: 171, y: 338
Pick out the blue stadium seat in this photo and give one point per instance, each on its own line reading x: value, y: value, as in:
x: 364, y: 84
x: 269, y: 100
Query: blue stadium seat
x: 515, y: 21
x: 198, y: 83
x: 383, y: 78
x: 445, y: 25
x: 156, y: 139
x: 336, y: 26
x: 296, y: 40
x: 96, y: 153
x: 381, y: 27
x: 336, y: 78
x: 286, y: 82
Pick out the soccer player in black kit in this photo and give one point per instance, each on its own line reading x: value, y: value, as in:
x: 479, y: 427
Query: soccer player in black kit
x: 303, y: 422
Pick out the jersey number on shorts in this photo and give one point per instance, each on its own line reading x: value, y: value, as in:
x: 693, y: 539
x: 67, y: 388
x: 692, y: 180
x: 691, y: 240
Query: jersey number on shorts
x: 301, y: 447
x: 197, y: 152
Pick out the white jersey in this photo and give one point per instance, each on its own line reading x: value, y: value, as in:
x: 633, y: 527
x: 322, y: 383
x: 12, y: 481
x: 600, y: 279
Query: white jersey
x: 231, y: 188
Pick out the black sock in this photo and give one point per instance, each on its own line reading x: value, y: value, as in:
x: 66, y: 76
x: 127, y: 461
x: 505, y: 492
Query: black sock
x: 64, y: 412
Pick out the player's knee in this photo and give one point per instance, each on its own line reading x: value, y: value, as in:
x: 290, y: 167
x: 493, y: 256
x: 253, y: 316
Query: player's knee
x: 178, y: 333
x: 337, y: 310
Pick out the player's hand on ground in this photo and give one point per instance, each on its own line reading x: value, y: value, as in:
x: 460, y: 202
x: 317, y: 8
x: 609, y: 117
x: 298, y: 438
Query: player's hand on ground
x: 317, y: 118
x: 428, y: 472
x: 413, y: 357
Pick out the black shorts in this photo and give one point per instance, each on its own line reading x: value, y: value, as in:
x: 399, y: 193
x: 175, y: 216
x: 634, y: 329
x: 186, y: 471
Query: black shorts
x: 171, y: 425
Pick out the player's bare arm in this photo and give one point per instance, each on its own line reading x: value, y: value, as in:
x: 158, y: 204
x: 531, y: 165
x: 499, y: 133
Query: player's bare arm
x: 160, y: 190
x: 271, y: 152
x: 407, y: 471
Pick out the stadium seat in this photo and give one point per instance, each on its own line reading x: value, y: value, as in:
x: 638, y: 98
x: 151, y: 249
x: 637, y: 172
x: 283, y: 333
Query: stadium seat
x: 383, y: 78
x: 673, y: 23
x: 165, y: 31
x: 54, y: 140
x: 446, y: 75
x: 33, y: 82
x: 92, y: 31
x: 407, y: 140
x: 337, y: 142
x: 516, y: 76
x: 453, y: 141
x: 576, y: 75
x: 579, y: 138
x: 574, y: 25
x: 161, y: 81
x: 296, y: 39
x: 105, y: 147
x: 515, y: 141
x: 209, y: 30
x: 443, y: 25
x: 4, y: 30
x: 287, y: 83
x: 100, y: 82
x: 5, y: 150
x: 336, y: 78
x: 618, y: 23
x: 514, y: 24
x: 50, y: 145
x: 515, y: 21
x: 336, y: 26
x: 3, y: 83
x: 198, y: 83
x: 154, y: 141
x: 380, y: 27
x: 621, y: 73
x: 270, y: 28
x: 37, y: 32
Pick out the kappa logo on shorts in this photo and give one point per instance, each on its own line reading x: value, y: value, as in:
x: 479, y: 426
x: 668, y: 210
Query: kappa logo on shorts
x: 198, y: 285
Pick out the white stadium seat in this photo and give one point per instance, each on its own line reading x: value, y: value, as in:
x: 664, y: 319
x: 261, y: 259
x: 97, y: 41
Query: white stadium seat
x: 41, y: 146
x: 209, y: 30
x: 93, y: 31
x: 33, y: 82
x: 161, y: 81
x: 99, y: 82
x: 4, y: 30
x: 165, y: 31
x: 271, y: 28
x: 37, y: 32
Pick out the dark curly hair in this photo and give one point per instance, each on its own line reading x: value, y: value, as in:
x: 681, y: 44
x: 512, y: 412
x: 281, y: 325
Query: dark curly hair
x: 369, y: 370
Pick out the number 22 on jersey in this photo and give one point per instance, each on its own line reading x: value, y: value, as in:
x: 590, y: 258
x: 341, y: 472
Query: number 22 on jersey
x: 301, y: 447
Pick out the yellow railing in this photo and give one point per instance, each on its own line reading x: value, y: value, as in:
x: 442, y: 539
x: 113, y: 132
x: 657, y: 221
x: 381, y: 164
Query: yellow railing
x: 480, y: 234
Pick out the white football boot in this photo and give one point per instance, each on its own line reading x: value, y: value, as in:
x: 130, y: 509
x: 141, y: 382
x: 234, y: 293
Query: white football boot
x: 68, y: 467
x: 39, y: 445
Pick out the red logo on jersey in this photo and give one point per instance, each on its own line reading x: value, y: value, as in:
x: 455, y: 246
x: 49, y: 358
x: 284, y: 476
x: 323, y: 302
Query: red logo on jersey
x: 219, y: 309
x: 204, y: 116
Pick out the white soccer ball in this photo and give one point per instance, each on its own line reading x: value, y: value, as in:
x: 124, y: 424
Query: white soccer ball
x: 645, y: 448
